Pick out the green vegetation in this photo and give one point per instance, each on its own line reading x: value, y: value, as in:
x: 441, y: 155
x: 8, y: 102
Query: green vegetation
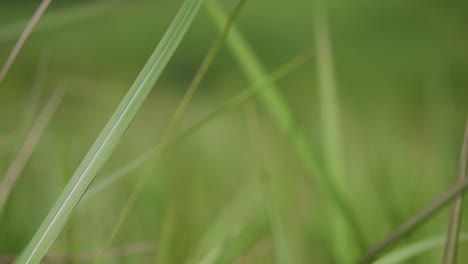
x: 310, y: 131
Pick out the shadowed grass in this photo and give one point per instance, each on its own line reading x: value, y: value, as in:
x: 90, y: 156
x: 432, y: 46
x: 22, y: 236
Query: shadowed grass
x: 110, y: 136
x: 171, y: 128
x: 451, y: 246
x: 284, y: 119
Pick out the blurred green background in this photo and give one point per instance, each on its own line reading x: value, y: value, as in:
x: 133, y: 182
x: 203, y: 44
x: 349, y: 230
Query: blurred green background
x: 401, y: 73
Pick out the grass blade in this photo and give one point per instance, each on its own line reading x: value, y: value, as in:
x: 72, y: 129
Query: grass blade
x: 29, y: 145
x: 165, y: 238
x: 36, y: 91
x: 276, y: 223
x: 22, y: 39
x: 110, y: 136
x: 414, y: 249
x: 330, y: 120
x: 246, y: 94
x: 450, y: 253
x: 230, y: 104
x: 227, y: 224
x: 283, y: 117
x: 415, y: 221
x: 117, y: 175
x: 170, y: 130
x: 328, y: 96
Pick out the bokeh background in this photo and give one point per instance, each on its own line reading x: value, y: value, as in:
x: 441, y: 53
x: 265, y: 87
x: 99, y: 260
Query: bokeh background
x: 402, y: 85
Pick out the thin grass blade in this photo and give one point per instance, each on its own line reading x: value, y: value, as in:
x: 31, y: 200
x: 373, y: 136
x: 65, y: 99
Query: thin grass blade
x: 56, y: 19
x: 36, y: 91
x: 110, y: 136
x: 404, y: 254
x: 230, y: 104
x: 284, y: 119
x: 270, y: 194
x: 22, y: 39
x: 170, y: 130
x: 29, y: 145
x: 451, y: 246
x: 414, y: 222
x: 331, y: 130
x: 227, y: 224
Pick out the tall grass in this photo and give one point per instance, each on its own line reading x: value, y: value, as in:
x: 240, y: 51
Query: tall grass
x: 414, y: 222
x: 171, y: 128
x: 245, y: 230
x: 110, y: 136
x: 224, y: 107
x: 281, y: 114
x: 451, y: 247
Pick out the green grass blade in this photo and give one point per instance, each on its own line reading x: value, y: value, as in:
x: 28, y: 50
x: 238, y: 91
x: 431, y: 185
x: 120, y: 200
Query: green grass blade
x: 282, y: 115
x: 109, y: 137
x: 328, y: 96
x: 165, y: 239
x: 270, y: 192
x: 412, y: 250
x: 414, y: 222
x: 171, y: 128
x: 451, y: 246
x: 29, y: 145
x: 246, y: 94
x: 331, y: 131
x: 36, y: 91
x: 226, y: 106
x: 117, y: 175
x: 227, y: 224
x: 22, y: 39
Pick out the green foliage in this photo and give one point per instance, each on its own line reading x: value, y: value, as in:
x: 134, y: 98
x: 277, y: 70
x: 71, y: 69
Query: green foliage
x: 347, y: 148
x: 110, y: 136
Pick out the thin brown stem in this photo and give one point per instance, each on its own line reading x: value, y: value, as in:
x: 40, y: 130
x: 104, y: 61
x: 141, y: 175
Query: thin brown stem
x: 22, y: 39
x: 451, y: 245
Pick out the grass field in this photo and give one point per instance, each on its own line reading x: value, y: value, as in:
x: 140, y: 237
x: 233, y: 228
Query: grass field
x: 232, y: 131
